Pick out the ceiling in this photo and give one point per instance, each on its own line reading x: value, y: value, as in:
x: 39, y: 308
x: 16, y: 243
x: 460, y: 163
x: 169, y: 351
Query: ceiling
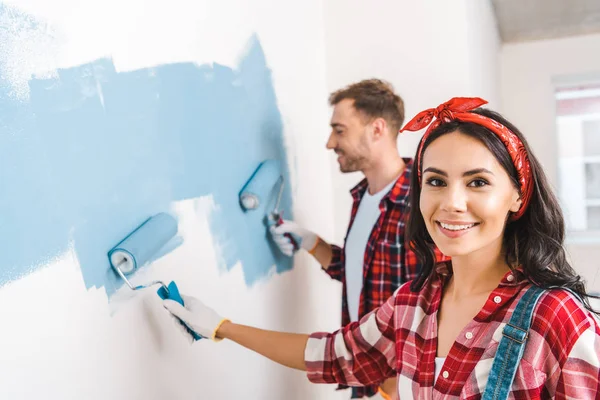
x: 523, y: 20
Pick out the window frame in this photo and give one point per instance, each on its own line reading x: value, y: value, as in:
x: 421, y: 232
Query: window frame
x: 588, y: 236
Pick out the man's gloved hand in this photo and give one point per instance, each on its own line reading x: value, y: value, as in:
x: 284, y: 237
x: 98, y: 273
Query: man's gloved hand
x: 308, y: 242
x: 198, y: 317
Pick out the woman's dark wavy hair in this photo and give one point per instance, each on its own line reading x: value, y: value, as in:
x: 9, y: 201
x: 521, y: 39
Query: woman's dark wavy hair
x: 535, y: 239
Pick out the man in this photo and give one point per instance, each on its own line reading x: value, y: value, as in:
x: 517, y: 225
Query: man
x: 375, y: 259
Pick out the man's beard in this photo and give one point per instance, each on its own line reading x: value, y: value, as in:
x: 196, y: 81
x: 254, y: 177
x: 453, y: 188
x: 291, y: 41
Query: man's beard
x: 350, y: 164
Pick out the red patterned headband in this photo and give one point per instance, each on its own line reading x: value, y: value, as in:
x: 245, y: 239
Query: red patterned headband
x: 458, y: 109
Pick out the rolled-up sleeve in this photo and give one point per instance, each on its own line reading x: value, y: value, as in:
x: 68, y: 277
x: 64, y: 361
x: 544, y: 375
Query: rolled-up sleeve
x: 580, y: 375
x: 336, y: 266
x: 362, y: 353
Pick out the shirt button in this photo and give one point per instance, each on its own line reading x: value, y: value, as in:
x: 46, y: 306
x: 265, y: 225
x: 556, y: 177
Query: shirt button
x: 497, y: 299
x: 469, y: 335
x: 510, y: 278
x: 445, y: 374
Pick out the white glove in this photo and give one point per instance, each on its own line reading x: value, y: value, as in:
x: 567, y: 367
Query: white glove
x: 307, y: 242
x: 198, y: 317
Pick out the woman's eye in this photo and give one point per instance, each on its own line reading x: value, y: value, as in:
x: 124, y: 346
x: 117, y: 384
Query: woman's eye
x: 478, y: 183
x: 435, y: 182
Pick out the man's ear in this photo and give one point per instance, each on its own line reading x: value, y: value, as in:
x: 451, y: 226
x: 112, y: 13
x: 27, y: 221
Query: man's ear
x: 379, y: 128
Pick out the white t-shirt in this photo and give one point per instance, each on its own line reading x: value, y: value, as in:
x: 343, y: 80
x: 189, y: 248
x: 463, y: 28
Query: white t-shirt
x: 439, y: 362
x: 366, y: 216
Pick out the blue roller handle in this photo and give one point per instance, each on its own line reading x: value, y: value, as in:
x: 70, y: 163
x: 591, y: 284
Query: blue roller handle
x: 173, y: 294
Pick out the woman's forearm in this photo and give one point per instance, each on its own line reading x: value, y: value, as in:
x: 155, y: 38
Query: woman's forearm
x: 284, y: 348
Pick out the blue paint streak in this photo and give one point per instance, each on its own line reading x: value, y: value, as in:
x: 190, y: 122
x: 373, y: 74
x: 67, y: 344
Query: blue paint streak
x: 73, y: 170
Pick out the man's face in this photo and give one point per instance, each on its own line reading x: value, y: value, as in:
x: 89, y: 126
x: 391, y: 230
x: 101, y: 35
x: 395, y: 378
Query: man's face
x: 349, y: 137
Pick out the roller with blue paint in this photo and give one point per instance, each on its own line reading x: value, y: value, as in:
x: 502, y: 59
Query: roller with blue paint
x: 137, y: 250
x: 259, y: 188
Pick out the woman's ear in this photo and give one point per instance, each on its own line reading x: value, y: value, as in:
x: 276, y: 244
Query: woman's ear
x: 516, y: 204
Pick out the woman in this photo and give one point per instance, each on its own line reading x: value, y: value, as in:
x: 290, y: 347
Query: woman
x: 484, y: 200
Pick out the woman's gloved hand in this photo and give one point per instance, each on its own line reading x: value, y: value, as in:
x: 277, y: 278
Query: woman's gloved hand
x: 197, y: 316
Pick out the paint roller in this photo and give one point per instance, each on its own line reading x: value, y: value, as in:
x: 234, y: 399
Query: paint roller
x: 138, y: 248
x: 259, y: 188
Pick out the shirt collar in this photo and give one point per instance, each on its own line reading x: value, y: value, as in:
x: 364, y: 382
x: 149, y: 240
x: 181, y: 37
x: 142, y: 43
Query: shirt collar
x: 399, y: 192
x: 510, y: 286
x: 515, y: 277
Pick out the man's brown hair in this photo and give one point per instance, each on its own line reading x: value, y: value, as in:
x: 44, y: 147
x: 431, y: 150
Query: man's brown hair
x: 374, y: 98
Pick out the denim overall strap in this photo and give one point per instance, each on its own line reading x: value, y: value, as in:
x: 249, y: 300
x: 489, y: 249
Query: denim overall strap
x: 511, y: 347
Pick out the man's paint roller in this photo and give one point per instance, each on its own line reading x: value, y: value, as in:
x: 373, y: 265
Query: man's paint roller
x: 259, y: 188
x: 139, y: 247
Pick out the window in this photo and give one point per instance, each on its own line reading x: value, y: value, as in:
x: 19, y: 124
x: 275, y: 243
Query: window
x: 578, y: 130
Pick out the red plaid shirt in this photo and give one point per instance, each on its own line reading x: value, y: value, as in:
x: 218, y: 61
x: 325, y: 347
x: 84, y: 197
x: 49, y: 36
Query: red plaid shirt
x: 561, y: 358
x: 388, y: 262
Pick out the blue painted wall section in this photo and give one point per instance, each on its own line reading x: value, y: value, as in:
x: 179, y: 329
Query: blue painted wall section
x: 93, y: 153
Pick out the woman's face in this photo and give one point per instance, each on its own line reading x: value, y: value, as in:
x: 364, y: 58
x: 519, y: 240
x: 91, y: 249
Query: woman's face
x: 466, y: 195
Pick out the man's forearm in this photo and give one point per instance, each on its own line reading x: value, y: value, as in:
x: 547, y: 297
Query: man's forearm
x: 284, y: 348
x: 323, y: 253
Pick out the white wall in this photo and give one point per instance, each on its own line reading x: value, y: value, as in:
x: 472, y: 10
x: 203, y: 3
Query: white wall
x: 527, y: 76
x: 484, y: 46
x: 430, y: 51
x: 62, y: 341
